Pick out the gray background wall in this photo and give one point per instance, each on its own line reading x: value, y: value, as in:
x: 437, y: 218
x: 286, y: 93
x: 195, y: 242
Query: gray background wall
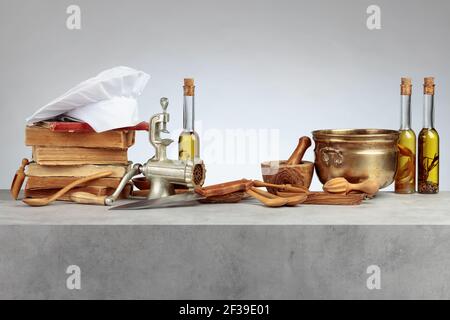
x: 295, y: 66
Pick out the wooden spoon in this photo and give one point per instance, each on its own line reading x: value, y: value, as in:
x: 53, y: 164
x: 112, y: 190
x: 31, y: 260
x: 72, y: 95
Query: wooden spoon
x: 293, y: 199
x: 270, y: 202
x: 342, y: 186
x: 38, y: 202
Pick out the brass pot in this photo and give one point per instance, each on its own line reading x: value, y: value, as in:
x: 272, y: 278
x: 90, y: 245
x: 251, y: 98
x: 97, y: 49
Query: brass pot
x: 356, y: 154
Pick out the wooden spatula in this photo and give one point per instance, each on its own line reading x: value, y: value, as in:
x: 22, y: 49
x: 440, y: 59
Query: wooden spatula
x: 38, y: 202
x: 225, y: 188
x: 293, y: 199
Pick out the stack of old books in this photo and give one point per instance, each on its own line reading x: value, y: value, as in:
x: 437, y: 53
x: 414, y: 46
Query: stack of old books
x: 66, y: 151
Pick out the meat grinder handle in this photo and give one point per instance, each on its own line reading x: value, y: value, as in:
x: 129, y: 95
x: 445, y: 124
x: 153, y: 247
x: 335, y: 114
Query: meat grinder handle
x: 135, y: 170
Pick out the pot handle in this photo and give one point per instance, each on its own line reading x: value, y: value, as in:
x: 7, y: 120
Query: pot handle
x: 331, y: 156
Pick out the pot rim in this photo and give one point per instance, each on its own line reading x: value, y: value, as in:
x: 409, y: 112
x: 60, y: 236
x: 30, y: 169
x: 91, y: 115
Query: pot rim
x: 356, y: 134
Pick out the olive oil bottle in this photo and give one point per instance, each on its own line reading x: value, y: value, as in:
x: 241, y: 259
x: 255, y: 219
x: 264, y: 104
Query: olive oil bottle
x: 188, y: 142
x: 428, y: 156
x: 405, y: 180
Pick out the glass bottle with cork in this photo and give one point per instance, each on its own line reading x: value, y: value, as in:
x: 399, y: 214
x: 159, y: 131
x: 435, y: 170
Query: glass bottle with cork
x: 188, y: 142
x: 405, y: 179
x: 428, y: 155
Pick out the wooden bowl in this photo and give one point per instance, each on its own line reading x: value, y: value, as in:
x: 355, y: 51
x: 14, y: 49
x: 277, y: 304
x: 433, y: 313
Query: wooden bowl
x: 278, y: 172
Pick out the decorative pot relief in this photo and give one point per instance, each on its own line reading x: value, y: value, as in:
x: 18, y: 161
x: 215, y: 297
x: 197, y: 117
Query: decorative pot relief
x: 331, y: 156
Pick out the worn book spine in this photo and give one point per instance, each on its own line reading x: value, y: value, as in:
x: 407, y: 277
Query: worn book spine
x: 36, y: 170
x: 38, y: 136
x: 54, y: 156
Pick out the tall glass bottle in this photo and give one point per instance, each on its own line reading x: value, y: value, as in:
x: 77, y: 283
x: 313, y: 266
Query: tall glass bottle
x: 405, y: 180
x: 188, y: 142
x: 428, y: 157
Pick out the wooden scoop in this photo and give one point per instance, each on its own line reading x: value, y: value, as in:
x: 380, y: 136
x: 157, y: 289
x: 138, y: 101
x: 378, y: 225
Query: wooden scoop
x: 297, y: 156
x: 293, y: 199
x: 17, y: 182
x: 342, y: 186
x: 38, y: 202
x: 270, y: 202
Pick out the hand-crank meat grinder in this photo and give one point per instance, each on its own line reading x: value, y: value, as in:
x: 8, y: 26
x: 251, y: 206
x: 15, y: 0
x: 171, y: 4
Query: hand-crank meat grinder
x: 162, y: 172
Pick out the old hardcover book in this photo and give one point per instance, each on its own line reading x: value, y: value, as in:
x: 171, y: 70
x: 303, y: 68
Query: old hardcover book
x: 36, y: 170
x: 61, y: 182
x: 98, y: 191
x: 54, y: 156
x: 116, y: 139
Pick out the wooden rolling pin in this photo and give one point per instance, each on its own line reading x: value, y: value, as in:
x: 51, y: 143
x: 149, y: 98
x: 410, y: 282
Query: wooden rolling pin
x: 342, y: 186
x: 297, y: 156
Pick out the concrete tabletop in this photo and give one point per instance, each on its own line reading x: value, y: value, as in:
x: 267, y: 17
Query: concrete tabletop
x: 386, y: 209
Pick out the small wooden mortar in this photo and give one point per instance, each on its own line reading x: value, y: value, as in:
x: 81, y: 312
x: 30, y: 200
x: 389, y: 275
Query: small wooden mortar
x: 292, y: 171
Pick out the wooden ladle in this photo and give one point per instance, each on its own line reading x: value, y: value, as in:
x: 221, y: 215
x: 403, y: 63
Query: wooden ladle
x: 342, y: 186
x: 39, y: 202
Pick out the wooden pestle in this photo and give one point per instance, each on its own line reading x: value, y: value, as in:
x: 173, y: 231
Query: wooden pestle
x: 297, y: 156
x: 342, y: 186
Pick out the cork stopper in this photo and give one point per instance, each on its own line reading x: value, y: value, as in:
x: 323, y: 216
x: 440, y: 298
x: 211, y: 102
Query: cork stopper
x: 428, y: 85
x: 188, y: 87
x: 406, y: 87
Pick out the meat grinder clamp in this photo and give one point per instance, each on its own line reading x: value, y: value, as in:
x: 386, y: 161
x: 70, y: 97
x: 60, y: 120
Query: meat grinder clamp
x: 163, y: 173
